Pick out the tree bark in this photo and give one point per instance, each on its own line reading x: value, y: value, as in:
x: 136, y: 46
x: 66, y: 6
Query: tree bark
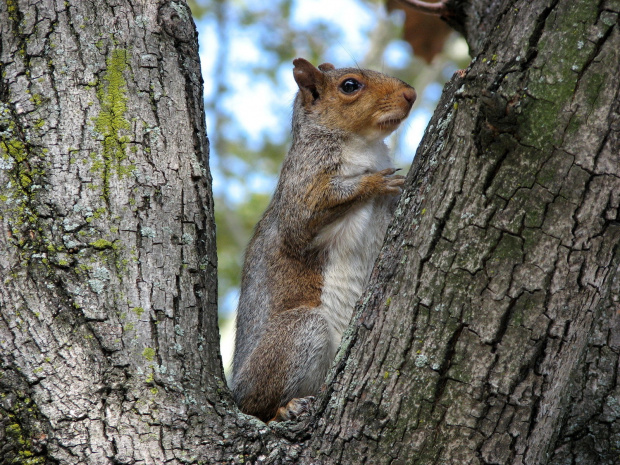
x: 108, y: 326
x: 490, y: 331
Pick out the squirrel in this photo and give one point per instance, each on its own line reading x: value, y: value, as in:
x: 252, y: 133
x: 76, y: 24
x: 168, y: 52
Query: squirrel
x: 313, y: 250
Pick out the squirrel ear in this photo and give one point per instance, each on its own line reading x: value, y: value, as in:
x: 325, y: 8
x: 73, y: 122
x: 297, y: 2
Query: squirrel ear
x: 307, y: 77
x: 327, y: 67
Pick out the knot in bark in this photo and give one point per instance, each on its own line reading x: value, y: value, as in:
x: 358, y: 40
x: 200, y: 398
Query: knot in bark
x: 176, y: 20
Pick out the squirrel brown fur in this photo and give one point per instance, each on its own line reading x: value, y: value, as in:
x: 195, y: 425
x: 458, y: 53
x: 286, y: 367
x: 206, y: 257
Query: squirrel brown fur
x: 313, y: 250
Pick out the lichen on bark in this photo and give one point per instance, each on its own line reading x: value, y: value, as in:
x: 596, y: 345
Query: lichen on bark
x: 111, y: 123
x: 23, y: 167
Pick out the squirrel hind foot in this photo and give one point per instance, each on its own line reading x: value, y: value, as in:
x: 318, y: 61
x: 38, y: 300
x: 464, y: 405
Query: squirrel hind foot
x: 294, y: 409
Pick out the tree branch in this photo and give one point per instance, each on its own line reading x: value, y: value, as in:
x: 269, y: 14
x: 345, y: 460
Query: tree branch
x: 438, y: 9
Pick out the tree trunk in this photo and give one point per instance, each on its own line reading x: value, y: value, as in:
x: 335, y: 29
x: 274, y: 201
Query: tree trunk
x: 108, y: 298
x: 490, y: 333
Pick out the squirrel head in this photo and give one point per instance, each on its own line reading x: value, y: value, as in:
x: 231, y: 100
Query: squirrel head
x: 355, y: 101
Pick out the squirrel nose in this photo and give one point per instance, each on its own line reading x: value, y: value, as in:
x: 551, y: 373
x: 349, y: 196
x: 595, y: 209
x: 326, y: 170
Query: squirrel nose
x: 409, y: 95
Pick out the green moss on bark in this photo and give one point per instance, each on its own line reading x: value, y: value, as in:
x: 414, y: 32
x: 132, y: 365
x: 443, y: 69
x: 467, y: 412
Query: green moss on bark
x: 111, y: 122
x: 23, y: 438
x: 552, y: 84
x: 22, y: 168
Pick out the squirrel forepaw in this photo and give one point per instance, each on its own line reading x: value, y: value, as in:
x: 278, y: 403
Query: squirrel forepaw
x: 294, y: 409
x: 392, y: 183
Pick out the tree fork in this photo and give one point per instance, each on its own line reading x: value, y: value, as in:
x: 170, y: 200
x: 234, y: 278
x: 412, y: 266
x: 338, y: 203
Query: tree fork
x: 490, y: 332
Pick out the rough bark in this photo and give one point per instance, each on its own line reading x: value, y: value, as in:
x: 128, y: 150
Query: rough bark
x: 490, y: 333
x: 107, y: 250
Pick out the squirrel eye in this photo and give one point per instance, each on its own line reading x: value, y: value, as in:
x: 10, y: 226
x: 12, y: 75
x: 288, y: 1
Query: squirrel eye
x: 348, y: 86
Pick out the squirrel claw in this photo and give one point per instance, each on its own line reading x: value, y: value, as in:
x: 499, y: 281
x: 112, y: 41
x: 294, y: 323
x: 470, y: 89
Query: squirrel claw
x: 388, y: 171
x: 392, y: 183
x: 294, y: 409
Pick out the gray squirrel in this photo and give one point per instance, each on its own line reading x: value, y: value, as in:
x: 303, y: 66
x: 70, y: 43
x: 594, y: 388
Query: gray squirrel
x: 313, y: 250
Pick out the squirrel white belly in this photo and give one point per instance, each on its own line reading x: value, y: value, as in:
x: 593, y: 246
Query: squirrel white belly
x: 353, y: 241
x: 313, y: 250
